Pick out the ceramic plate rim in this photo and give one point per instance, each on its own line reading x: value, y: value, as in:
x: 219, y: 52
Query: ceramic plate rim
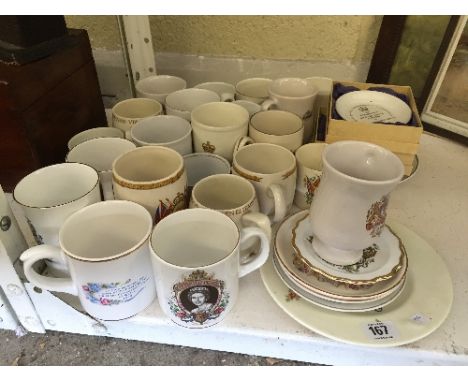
x: 388, y: 98
x: 320, y: 320
x: 341, y: 279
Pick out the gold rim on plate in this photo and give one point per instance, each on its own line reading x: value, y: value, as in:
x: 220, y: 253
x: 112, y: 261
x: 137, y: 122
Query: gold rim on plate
x: 309, y: 268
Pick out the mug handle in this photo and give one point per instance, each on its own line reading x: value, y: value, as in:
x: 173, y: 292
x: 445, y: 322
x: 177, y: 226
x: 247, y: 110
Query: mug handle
x: 46, y: 252
x: 262, y: 256
x: 260, y: 220
x: 241, y: 142
x: 105, y: 177
x: 227, y: 97
x: 267, y: 104
x: 279, y: 202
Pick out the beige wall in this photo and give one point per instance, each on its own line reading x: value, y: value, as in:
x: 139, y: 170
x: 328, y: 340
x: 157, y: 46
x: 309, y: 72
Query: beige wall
x: 311, y: 38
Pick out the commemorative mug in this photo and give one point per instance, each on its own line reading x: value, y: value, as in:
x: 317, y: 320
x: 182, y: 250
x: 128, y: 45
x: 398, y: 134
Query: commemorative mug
x: 197, y: 266
x: 217, y: 126
x: 49, y: 195
x: 253, y: 89
x: 181, y: 102
x: 164, y: 130
x: 158, y: 87
x: 225, y: 90
x: 233, y: 196
x: 272, y: 171
x: 106, y: 248
x: 309, y: 173
x: 278, y: 127
x: 128, y: 112
x: 153, y: 176
x: 295, y: 95
x: 350, y: 206
x: 97, y: 132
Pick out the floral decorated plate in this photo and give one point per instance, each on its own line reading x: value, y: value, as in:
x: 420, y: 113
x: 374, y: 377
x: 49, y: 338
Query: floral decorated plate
x: 372, y: 107
x: 422, y: 307
x: 317, y: 283
x: 339, y: 306
x: 317, y: 295
x: 379, y: 262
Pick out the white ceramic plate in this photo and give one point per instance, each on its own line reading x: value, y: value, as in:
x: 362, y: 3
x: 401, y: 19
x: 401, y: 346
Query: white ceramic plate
x: 421, y: 308
x: 323, y: 286
x: 339, y: 306
x: 379, y: 262
x: 372, y: 107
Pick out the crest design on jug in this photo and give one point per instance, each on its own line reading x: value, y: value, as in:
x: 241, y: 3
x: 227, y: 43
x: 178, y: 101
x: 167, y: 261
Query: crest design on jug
x: 311, y: 185
x: 376, y: 216
x: 198, y: 298
x: 167, y: 207
x: 208, y: 147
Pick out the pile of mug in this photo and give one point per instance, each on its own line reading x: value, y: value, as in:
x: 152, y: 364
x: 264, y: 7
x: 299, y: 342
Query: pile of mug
x: 114, y: 221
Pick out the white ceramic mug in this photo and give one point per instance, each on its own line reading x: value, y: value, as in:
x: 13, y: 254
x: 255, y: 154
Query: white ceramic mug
x: 153, y: 176
x: 182, y: 102
x: 196, y: 262
x: 201, y: 165
x: 272, y: 171
x: 164, y: 130
x: 158, y: 87
x: 49, y: 195
x: 106, y: 248
x: 225, y: 90
x: 97, y: 132
x: 128, y: 112
x: 278, y: 127
x: 295, y: 95
x: 253, y: 89
x: 217, y: 126
x: 309, y: 173
x: 232, y: 195
x: 100, y: 153
x: 349, y: 208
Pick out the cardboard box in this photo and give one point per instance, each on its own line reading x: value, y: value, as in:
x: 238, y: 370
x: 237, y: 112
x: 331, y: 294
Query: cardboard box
x: 402, y: 140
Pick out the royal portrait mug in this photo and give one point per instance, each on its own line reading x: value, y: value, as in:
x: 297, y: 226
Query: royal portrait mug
x: 197, y: 266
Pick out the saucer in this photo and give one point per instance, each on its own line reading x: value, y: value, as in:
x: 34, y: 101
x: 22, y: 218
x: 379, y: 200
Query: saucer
x: 379, y: 262
x: 322, y: 286
x: 422, y: 307
x: 372, y: 107
x: 339, y: 306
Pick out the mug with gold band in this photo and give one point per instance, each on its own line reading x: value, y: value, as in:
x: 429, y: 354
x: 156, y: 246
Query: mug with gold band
x: 153, y: 176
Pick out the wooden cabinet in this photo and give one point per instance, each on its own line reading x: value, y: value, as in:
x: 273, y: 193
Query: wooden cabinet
x: 44, y: 103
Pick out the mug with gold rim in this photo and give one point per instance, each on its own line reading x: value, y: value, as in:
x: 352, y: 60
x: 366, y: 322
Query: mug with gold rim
x: 153, y: 176
x: 105, y: 246
x: 272, y: 171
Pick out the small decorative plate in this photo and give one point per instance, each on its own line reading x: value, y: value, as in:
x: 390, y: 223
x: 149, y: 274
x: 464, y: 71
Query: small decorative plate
x: 378, y: 263
x: 307, y: 290
x: 321, y: 285
x: 421, y: 308
x: 372, y: 107
x: 339, y: 306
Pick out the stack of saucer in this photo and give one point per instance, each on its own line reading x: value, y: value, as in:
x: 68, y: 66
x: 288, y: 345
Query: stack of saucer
x: 376, y: 280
